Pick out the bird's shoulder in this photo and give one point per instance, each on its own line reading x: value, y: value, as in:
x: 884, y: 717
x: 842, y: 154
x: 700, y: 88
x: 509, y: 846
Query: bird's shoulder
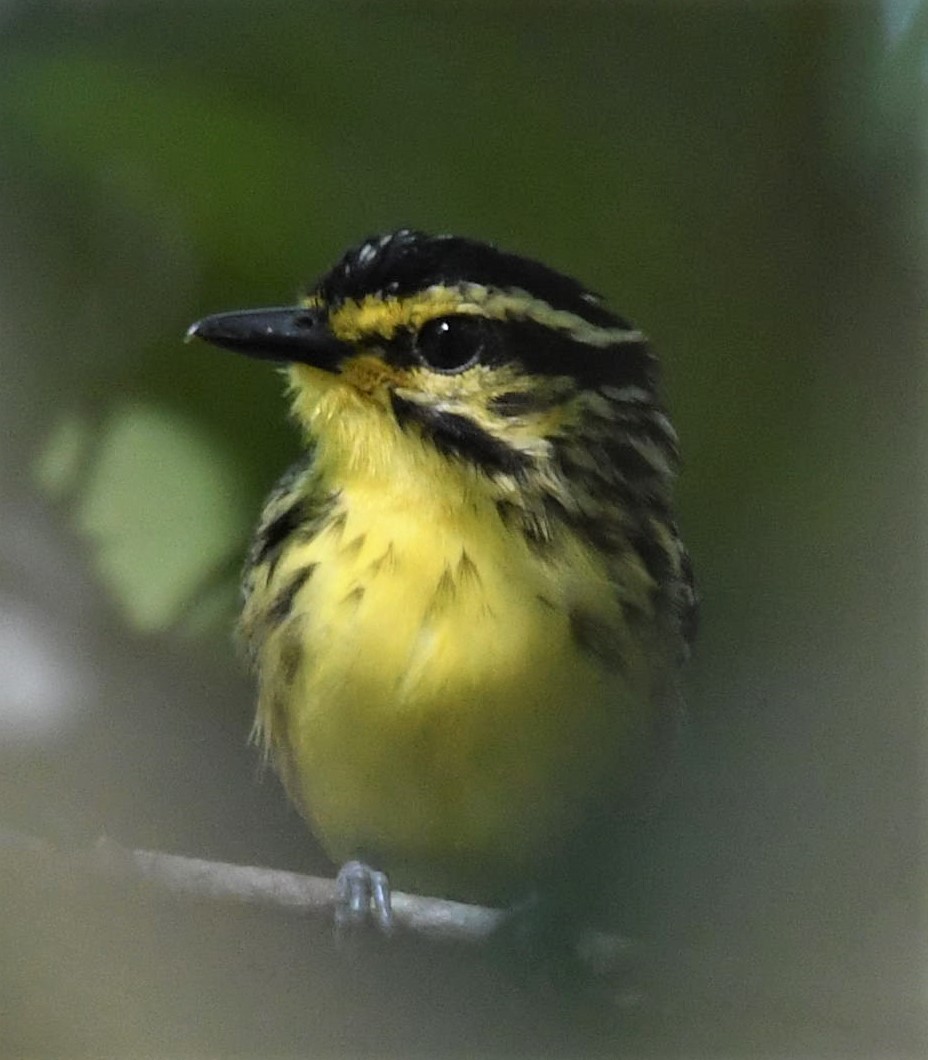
x: 295, y: 507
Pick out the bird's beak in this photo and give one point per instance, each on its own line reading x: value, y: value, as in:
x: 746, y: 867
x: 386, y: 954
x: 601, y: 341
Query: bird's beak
x: 288, y: 334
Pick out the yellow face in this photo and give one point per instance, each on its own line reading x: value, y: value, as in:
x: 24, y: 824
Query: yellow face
x: 462, y: 360
x: 443, y: 359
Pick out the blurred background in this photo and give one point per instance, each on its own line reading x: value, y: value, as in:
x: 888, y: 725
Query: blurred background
x: 747, y: 182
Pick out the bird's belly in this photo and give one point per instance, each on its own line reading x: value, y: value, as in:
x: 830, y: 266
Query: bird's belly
x: 444, y: 721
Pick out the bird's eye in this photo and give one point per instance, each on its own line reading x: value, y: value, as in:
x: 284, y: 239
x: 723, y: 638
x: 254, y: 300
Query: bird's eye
x: 451, y: 344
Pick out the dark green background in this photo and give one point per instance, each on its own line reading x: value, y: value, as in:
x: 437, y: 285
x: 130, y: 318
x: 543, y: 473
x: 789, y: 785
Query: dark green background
x: 747, y: 183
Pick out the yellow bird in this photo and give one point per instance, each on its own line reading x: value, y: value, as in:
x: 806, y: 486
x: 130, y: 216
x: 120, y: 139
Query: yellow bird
x: 467, y: 605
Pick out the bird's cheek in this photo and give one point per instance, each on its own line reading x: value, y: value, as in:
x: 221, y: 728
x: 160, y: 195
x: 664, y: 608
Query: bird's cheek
x: 371, y: 375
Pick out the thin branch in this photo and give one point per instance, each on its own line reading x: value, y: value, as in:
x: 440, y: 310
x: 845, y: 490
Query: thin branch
x: 435, y: 918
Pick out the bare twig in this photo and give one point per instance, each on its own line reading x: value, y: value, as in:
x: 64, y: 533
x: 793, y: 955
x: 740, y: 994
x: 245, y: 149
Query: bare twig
x: 197, y: 878
x: 435, y: 918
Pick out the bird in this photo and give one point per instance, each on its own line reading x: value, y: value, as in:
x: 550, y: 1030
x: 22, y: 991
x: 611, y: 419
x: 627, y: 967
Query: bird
x: 467, y: 604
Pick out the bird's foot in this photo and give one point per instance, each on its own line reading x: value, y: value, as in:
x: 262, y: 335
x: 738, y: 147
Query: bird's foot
x: 362, y: 897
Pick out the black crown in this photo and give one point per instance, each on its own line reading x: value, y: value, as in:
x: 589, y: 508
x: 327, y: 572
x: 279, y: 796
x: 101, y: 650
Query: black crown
x: 403, y: 262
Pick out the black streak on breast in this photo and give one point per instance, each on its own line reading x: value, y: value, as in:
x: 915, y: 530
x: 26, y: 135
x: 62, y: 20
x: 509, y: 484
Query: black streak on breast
x: 283, y: 602
x: 271, y: 537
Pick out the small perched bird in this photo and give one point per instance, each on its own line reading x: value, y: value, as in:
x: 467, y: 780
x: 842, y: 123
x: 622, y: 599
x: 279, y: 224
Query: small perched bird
x: 466, y: 606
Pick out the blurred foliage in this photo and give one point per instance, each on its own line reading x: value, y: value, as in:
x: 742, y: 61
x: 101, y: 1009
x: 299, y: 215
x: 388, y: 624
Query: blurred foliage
x: 744, y: 181
x: 152, y: 475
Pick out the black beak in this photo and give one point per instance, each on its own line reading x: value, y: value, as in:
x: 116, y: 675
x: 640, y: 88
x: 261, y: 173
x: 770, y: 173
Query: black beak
x: 290, y: 333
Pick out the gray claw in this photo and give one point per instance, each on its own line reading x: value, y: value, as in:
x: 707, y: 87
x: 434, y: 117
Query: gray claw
x: 362, y: 895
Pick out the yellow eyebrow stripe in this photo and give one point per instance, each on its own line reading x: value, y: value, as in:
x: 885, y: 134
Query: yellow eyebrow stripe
x: 377, y: 316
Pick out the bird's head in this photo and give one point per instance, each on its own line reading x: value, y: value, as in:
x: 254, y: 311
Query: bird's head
x: 456, y: 351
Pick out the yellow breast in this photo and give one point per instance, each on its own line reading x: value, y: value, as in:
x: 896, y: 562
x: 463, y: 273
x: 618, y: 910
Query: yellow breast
x: 429, y: 693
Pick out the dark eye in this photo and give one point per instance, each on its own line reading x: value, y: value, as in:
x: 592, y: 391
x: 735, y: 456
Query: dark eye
x: 451, y: 344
